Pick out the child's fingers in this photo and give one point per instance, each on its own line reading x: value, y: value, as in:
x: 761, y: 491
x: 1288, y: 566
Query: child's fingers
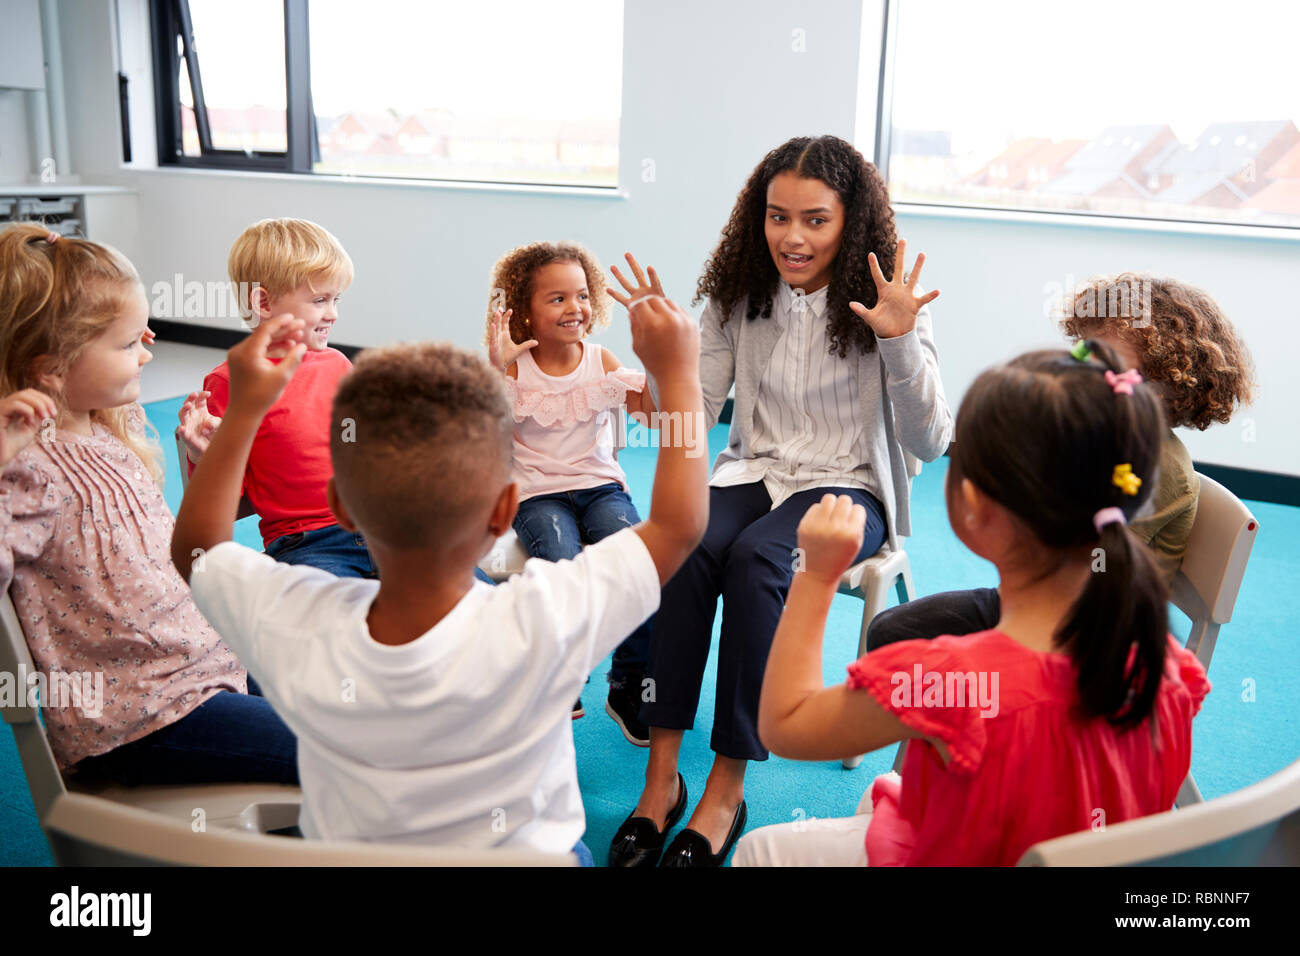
x: 655, y: 285
x: 618, y: 297
x: 622, y: 281
x: 899, y: 260
x: 636, y: 270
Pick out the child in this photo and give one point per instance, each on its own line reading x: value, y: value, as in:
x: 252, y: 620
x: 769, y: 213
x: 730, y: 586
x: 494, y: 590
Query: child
x: 291, y: 266
x: 433, y: 709
x: 1075, y: 709
x: 1182, y: 344
x: 547, y: 297
x: 84, y: 534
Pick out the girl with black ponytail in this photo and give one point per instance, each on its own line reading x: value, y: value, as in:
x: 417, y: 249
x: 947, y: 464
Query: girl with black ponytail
x: 1074, y: 711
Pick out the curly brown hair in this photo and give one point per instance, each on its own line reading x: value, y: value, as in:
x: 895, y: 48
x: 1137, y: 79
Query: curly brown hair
x: 741, y: 267
x: 1183, y: 340
x: 512, y: 284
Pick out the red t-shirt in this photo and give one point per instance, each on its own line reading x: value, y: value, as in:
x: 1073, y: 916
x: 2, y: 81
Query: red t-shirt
x: 1030, y: 770
x: 290, y: 460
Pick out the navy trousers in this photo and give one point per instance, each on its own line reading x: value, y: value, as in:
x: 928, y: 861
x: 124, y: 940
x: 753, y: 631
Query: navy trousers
x: 747, y: 559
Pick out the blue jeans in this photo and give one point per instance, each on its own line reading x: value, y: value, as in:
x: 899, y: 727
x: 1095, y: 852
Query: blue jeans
x: 583, y: 854
x: 229, y: 738
x: 555, y: 527
x: 334, y: 549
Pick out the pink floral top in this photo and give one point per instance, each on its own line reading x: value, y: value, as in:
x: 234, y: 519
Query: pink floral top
x: 564, y: 425
x: 85, y: 539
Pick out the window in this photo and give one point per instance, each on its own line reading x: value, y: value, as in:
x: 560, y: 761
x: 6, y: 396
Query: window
x: 1107, y: 108
x: 501, y: 91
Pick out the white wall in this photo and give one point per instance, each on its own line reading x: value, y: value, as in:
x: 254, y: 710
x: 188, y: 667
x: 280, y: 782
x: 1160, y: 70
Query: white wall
x: 708, y: 88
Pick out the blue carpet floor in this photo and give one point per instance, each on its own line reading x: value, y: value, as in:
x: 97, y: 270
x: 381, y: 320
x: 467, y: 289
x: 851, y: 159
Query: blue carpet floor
x: 1247, y: 729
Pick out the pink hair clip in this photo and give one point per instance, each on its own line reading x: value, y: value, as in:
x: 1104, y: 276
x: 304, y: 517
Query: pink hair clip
x: 1123, y: 382
x: 52, y: 238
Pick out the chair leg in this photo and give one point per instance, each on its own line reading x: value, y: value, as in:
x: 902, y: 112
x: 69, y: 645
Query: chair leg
x: 1188, y: 793
x: 1206, y: 635
x: 873, y: 602
x: 898, y: 757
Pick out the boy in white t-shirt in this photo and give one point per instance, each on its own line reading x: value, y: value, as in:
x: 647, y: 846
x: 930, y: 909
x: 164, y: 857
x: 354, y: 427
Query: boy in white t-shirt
x: 429, y: 707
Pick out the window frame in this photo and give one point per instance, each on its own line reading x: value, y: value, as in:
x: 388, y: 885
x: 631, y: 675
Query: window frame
x: 884, y: 129
x: 170, y: 20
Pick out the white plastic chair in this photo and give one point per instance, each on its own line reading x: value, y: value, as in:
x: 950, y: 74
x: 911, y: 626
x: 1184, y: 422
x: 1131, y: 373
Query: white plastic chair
x: 86, y: 831
x: 871, y: 580
x: 1209, y: 579
x: 250, y: 807
x: 1256, y: 826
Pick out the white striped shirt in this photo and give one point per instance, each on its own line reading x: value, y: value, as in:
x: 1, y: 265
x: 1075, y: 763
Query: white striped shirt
x: 808, y: 431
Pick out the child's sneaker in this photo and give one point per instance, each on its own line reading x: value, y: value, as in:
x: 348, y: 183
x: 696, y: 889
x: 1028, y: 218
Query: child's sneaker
x: 577, y: 709
x: 623, y: 705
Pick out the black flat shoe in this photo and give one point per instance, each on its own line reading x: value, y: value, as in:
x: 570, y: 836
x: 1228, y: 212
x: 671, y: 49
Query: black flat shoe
x: 638, y: 843
x: 691, y: 848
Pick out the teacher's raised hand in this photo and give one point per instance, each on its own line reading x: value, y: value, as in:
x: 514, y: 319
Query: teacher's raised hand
x: 896, y: 301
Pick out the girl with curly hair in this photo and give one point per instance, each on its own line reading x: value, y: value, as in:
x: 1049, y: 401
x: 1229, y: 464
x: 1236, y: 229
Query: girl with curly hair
x: 1179, y: 340
x: 547, y: 297
x: 829, y: 347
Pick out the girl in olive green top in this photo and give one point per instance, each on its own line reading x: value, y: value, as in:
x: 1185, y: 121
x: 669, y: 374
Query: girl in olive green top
x: 1177, y: 338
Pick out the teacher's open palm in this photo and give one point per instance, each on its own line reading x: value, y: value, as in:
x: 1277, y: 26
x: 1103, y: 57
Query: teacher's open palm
x: 896, y: 301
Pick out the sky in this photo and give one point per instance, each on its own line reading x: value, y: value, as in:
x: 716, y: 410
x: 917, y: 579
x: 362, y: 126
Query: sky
x: 1066, y: 70
x: 995, y: 68
x: 539, y: 58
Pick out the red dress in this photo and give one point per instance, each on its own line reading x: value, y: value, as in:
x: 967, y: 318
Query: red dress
x: 1026, y: 771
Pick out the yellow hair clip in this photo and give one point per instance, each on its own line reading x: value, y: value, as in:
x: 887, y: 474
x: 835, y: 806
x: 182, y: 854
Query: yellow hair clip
x: 1124, y: 479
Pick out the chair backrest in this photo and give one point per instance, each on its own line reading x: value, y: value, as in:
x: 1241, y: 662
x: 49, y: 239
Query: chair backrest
x: 1223, y: 534
x: 1256, y: 826
x: 42, y: 770
x: 89, y: 831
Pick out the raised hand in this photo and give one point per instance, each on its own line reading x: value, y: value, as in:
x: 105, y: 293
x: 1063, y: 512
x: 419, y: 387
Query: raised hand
x: 896, y: 302
x: 197, y: 425
x: 666, y: 338
x: 256, y: 382
x: 643, y: 287
x: 830, y: 537
x: 21, y: 415
x: 502, y: 348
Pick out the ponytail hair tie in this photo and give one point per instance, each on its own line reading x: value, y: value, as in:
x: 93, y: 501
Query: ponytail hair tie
x: 1123, y: 382
x: 1081, y: 352
x: 1107, y: 516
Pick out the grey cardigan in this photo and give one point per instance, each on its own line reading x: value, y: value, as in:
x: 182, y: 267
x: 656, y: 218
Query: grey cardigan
x: 903, y: 404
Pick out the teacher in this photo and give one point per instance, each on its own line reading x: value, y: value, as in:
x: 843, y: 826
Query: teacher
x: 837, y: 383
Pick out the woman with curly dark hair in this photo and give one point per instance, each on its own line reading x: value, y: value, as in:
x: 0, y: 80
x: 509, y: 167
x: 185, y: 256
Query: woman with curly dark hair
x: 1179, y: 340
x: 829, y: 347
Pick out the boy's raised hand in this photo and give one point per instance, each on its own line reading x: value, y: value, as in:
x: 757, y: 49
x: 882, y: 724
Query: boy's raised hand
x: 666, y: 338
x: 897, y: 304
x: 830, y: 537
x: 502, y: 348
x: 21, y: 415
x: 197, y: 425
x: 262, y: 365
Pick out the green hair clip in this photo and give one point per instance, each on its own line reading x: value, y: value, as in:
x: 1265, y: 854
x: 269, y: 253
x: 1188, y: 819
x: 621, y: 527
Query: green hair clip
x: 1081, y: 350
